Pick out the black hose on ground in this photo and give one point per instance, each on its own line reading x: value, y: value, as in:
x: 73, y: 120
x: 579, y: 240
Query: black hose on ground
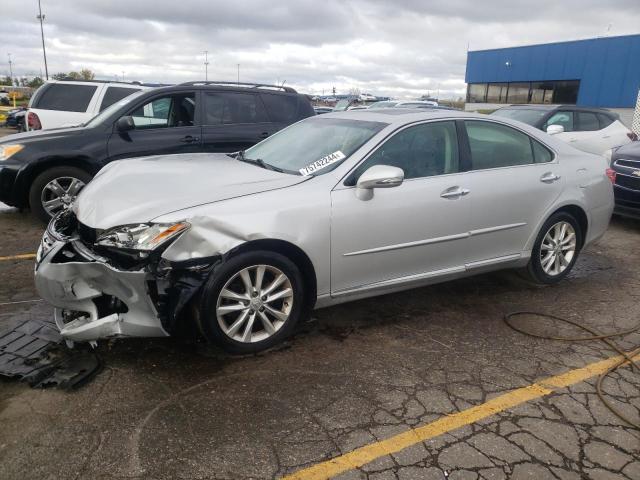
x: 628, y: 356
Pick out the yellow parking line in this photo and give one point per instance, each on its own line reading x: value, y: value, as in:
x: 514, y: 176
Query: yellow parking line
x: 368, y: 453
x: 22, y: 256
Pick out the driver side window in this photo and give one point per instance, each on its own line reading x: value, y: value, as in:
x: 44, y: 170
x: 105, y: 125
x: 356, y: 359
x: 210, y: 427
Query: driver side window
x: 163, y: 112
x: 420, y: 151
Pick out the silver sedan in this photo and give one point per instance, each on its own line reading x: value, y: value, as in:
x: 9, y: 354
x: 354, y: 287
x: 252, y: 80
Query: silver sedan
x: 334, y: 208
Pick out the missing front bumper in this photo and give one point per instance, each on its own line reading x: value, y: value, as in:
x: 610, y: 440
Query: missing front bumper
x: 80, y: 286
x: 95, y: 299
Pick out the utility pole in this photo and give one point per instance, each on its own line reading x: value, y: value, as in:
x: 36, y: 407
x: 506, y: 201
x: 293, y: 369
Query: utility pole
x: 10, y: 69
x: 44, y: 50
x: 238, y: 74
x: 206, y: 65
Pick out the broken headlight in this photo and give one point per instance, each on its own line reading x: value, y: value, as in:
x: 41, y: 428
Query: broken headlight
x: 142, y: 237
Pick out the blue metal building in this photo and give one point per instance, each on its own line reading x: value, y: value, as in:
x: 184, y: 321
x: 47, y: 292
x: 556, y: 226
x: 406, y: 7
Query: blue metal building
x: 598, y: 72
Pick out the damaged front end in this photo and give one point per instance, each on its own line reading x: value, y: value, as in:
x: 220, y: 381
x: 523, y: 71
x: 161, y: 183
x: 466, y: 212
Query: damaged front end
x: 102, y: 285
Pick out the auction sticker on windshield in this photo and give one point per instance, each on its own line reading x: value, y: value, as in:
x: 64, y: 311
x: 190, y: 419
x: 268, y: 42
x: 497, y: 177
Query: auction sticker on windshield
x: 323, y: 162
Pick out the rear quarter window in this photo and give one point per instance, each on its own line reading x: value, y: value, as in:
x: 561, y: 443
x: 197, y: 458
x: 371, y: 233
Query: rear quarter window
x: 65, y: 97
x: 115, y: 94
x: 605, y: 120
x: 588, y: 122
x: 281, y: 108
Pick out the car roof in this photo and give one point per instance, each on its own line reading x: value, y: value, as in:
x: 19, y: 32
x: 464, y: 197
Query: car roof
x: 401, y: 116
x: 550, y: 108
x: 217, y: 87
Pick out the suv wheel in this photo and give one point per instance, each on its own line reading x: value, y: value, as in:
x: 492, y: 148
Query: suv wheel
x: 556, y: 249
x: 252, y: 302
x: 55, y: 189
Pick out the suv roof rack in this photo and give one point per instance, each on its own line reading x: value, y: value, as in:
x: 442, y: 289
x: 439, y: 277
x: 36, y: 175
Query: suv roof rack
x: 135, y: 82
x: 242, y: 84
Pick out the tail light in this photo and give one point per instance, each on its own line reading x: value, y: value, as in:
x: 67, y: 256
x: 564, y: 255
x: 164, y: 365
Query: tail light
x: 611, y: 173
x: 633, y: 136
x: 33, y: 121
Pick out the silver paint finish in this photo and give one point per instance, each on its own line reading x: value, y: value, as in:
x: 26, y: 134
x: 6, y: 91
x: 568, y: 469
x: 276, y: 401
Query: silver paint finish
x: 400, y: 237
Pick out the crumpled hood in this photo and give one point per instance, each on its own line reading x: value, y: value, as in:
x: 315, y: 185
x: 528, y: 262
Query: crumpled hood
x: 141, y: 189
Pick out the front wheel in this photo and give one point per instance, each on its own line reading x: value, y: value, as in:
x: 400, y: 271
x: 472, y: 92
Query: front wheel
x: 556, y: 249
x: 56, y: 189
x: 251, y: 302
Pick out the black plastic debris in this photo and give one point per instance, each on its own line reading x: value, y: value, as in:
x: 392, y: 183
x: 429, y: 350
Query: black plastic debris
x: 33, y: 351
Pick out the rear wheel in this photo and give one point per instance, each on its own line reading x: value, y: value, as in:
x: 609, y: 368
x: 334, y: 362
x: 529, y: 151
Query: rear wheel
x: 252, y: 302
x: 556, y: 249
x: 55, y: 189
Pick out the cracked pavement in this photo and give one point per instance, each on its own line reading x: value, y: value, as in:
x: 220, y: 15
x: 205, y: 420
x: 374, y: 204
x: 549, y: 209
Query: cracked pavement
x: 358, y: 373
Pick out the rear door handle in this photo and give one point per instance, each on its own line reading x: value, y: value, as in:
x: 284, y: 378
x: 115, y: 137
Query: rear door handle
x: 549, y: 177
x: 190, y: 139
x: 264, y: 134
x: 454, y: 192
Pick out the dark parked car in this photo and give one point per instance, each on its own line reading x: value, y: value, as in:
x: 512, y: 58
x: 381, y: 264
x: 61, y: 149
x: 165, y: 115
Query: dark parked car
x: 625, y: 161
x: 45, y: 170
x: 15, y: 119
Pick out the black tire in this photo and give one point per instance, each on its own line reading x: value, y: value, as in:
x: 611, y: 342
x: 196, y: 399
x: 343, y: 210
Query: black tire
x: 206, y: 315
x: 39, y: 183
x: 535, y: 270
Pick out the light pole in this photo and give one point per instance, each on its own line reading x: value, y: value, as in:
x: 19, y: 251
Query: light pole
x: 10, y: 70
x: 44, y: 50
x: 206, y: 65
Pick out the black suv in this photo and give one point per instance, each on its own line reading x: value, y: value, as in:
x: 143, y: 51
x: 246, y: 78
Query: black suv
x: 45, y: 169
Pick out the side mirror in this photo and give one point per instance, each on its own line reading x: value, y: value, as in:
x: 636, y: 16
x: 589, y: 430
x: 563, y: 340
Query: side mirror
x: 555, y: 129
x: 378, y: 176
x: 126, y: 123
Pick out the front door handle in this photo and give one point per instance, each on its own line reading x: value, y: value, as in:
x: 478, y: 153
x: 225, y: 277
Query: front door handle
x: 549, y: 177
x: 454, y: 192
x: 190, y: 139
x: 264, y: 134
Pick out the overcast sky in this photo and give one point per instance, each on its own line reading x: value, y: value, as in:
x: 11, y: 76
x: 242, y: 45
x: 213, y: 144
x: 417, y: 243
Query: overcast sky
x: 402, y: 48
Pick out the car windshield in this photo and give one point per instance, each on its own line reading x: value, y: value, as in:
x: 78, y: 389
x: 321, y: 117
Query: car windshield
x: 525, y: 115
x: 107, y: 112
x: 342, y: 105
x: 313, y: 146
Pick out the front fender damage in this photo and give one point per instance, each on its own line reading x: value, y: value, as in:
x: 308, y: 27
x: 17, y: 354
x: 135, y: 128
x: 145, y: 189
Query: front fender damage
x: 175, y: 284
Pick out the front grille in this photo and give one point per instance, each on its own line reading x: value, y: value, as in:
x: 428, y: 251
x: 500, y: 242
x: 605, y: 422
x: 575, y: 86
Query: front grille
x: 623, y: 162
x: 628, y: 181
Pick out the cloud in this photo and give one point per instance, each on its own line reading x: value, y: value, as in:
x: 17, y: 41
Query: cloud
x: 402, y: 48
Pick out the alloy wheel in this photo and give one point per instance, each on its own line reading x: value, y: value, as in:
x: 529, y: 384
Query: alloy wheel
x: 254, y: 303
x: 558, y: 248
x: 60, y: 193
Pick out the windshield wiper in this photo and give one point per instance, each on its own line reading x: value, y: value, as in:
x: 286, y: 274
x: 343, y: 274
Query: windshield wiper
x: 258, y: 161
